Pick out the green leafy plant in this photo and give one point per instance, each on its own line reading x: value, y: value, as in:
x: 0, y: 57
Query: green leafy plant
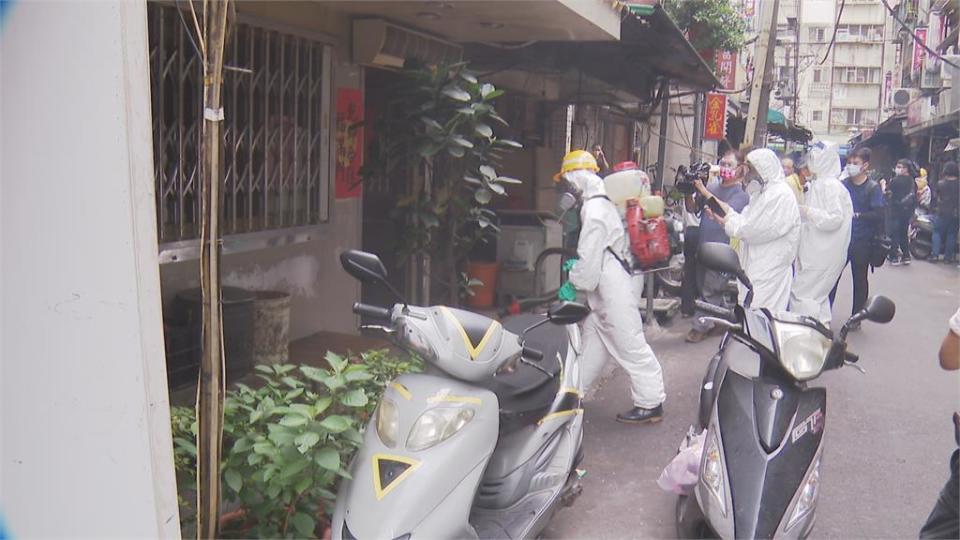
x: 443, y: 121
x: 710, y: 24
x: 287, y: 442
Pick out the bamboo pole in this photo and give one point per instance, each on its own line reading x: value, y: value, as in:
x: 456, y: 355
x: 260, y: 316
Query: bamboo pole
x: 211, y: 388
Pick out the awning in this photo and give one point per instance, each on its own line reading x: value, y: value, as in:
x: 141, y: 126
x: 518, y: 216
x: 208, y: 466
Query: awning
x: 776, y: 117
x: 944, y: 122
x: 777, y: 125
x: 651, y: 47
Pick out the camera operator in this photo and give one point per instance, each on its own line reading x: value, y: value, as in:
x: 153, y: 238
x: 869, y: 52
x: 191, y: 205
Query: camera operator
x: 726, y: 187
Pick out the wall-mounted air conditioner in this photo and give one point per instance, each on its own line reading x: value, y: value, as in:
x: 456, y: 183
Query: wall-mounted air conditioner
x: 902, y: 97
x: 377, y: 42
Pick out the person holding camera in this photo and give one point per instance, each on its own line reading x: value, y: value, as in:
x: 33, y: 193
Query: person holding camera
x: 713, y: 284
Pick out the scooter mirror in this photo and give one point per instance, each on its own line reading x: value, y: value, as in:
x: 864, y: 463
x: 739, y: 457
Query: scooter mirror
x: 568, y: 313
x: 879, y: 309
x: 364, y: 266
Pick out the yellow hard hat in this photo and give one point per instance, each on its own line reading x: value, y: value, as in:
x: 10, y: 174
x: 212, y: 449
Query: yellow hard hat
x: 575, y: 161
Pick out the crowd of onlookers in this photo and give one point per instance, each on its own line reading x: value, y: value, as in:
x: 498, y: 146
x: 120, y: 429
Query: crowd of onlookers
x: 795, y: 248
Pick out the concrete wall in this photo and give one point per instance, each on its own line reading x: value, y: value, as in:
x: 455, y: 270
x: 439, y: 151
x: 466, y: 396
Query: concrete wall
x: 310, y: 271
x: 86, y: 448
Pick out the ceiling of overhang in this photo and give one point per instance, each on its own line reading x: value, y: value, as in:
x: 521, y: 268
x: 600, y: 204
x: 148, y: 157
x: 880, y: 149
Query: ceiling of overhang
x: 496, y: 21
x: 650, y: 49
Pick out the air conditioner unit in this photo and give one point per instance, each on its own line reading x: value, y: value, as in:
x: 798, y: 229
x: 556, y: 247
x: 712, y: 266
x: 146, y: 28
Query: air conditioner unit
x: 377, y: 42
x: 902, y: 97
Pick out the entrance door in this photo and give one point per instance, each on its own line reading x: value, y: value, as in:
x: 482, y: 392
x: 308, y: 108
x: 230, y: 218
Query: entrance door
x: 380, y: 195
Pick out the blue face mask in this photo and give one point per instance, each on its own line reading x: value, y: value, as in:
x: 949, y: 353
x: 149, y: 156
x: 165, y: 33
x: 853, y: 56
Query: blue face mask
x: 854, y: 169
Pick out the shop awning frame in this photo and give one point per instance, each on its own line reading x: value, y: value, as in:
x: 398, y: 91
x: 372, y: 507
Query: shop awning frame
x: 651, y: 49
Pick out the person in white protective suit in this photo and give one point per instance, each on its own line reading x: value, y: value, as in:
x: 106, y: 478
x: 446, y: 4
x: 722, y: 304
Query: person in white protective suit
x: 826, y: 220
x: 614, y: 327
x: 768, y: 230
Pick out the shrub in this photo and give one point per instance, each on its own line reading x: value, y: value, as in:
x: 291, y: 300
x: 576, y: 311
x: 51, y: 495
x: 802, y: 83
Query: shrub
x: 287, y: 443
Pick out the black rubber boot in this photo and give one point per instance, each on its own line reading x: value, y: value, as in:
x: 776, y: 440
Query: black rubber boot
x: 639, y: 415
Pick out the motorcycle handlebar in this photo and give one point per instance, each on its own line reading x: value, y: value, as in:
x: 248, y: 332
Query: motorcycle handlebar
x: 374, y: 312
x: 722, y: 312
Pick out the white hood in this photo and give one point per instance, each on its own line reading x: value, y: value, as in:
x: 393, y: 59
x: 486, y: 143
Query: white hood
x: 587, y: 182
x: 767, y: 165
x: 823, y: 160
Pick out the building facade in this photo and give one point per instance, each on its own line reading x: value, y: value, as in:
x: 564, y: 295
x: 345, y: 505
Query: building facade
x: 833, y: 77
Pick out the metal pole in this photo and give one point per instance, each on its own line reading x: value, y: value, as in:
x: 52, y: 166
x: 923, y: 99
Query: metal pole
x: 211, y: 387
x: 696, y: 153
x: 662, y: 144
x: 760, y: 89
x: 796, y: 65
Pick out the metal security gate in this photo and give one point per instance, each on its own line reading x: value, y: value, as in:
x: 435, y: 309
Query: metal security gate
x: 276, y: 100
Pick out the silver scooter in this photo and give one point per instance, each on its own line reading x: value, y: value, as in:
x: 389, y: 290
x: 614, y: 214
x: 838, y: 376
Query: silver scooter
x: 485, y: 443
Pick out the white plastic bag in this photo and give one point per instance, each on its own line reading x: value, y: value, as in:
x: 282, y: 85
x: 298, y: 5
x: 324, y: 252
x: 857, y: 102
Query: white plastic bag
x: 681, y: 474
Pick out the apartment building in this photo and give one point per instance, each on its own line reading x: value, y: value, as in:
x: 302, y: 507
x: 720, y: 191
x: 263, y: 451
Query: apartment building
x: 836, y: 90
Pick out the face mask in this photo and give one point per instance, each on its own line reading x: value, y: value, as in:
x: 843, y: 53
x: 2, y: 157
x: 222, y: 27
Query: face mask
x: 727, y: 173
x: 854, y: 169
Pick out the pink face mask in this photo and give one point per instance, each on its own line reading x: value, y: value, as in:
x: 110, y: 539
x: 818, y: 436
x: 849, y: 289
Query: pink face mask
x: 727, y: 173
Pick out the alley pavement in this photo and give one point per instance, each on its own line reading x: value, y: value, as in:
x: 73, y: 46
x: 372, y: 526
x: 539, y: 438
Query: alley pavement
x: 888, y: 432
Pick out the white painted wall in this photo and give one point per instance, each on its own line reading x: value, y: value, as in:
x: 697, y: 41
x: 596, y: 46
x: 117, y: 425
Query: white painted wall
x: 85, y: 449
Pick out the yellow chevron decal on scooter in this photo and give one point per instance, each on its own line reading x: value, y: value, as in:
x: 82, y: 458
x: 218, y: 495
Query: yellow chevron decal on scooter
x: 473, y: 351
x: 389, y: 471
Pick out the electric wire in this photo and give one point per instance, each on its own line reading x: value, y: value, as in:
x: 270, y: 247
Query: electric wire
x: 836, y: 26
x: 916, y: 38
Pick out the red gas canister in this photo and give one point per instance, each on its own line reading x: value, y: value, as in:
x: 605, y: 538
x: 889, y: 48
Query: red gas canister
x: 649, y: 238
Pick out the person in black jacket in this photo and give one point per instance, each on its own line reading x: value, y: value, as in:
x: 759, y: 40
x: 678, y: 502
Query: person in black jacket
x: 868, y: 206
x: 948, y: 214
x: 903, y: 200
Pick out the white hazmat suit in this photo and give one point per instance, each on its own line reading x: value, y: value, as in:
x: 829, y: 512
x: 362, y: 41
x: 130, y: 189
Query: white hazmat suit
x: 769, y: 231
x: 614, y: 327
x: 826, y: 220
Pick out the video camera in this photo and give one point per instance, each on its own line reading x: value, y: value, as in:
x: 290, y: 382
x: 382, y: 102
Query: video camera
x: 687, y: 176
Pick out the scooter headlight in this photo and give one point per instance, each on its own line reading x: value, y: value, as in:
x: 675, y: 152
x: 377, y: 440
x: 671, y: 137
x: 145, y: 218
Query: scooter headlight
x: 388, y: 422
x: 437, y: 425
x: 711, y: 472
x: 808, y: 496
x: 803, y: 350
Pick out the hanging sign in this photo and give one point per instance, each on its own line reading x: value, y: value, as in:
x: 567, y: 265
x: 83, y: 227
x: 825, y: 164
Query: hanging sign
x: 349, y: 149
x: 715, y: 117
x: 919, y: 54
x: 726, y: 63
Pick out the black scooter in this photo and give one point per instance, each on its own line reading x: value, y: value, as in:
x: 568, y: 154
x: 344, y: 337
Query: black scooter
x: 760, y: 467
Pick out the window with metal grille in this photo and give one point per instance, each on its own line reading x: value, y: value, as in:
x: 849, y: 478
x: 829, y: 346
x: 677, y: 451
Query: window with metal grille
x: 276, y: 132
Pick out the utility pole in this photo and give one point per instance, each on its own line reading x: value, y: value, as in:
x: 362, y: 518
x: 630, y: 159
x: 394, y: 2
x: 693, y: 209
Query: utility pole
x: 696, y: 153
x: 211, y: 387
x: 756, y: 127
x: 796, y: 65
x: 662, y: 146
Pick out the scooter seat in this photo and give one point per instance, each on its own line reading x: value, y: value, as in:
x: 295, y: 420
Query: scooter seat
x: 526, y: 393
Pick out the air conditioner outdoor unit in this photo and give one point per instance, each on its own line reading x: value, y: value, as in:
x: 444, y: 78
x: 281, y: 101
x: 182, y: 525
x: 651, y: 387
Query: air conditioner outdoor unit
x: 902, y: 97
x: 377, y: 42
